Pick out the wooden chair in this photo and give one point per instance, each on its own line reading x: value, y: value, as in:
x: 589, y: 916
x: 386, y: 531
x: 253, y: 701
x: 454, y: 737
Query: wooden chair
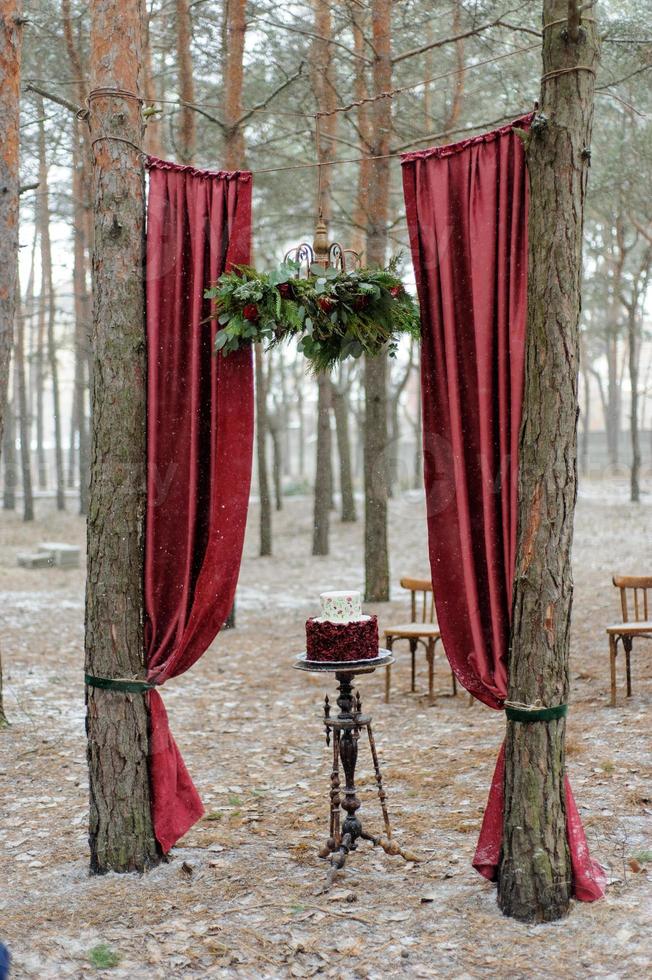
x: 636, y: 623
x: 422, y: 629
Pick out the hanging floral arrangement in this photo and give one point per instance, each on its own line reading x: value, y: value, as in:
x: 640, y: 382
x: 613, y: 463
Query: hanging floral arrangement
x: 334, y: 314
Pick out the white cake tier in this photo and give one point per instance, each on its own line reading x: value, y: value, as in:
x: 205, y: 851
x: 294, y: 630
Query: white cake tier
x: 361, y: 619
x: 341, y: 607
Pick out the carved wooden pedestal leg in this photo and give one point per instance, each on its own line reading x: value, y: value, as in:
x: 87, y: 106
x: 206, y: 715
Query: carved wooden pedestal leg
x: 346, y: 728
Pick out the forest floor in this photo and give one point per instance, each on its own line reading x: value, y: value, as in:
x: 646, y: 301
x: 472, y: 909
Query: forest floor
x: 240, y: 896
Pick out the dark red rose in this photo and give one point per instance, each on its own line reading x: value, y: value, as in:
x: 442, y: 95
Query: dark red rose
x: 396, y: 291
x: 250, y: 312
x: 361, y: 302
x: 285, y: 289
x: 326, y: 304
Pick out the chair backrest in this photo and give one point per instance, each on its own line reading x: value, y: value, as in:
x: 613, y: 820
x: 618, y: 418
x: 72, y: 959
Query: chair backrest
x: 422, y: 602
x: 640, y: 604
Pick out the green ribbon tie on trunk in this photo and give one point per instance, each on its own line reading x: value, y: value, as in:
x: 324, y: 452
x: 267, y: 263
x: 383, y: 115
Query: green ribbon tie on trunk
x: 534, y: 712
x: 129, y: 685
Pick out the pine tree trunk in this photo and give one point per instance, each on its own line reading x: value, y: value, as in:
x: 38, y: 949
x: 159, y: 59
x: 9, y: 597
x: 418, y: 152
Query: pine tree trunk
x: 11, y: 33
x: 187, y: 134
x: 613, y: 402
x: 586, y: 425
x: 23, y: 414
x: 3, y: 717
x: 277, y: 459
x: 82, y: 316
x: 325, y: 98
x: 360, y: 93
x: 234, y: 39
x: 375, y: 377
x: 39, y: 378
x: 635, y: 472
x: 341, y: 413
x: 418, y: 437
x: 394, y: 455
x: 535, y: 872
x: 9, y: 459
x: 47, y: 289
x: 323, y: 469
x: 72, y: 441
x: 121, y: 831
x: 302, y: 431
x: 153, y: 142
x: 261, y: 455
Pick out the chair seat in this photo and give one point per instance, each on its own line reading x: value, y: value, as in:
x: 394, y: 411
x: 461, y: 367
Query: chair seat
x: 411, y: 631
x: 631, y: 629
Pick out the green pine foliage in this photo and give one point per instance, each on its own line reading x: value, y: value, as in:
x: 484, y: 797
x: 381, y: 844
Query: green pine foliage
x: 332, y: 314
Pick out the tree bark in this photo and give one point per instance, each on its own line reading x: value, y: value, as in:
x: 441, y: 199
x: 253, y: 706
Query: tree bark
x: 187, y: 134
x: 47, y: 289
x: 341, y: 412
x: 261, y: 455
x: 11, y: 35
x: 121, y: 831
x: 535, y: 873
x: 375, y: 378
x: 323, y: 469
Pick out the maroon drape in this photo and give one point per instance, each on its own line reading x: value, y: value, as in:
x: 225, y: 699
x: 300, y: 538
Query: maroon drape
x: 199, y: 449
x: 467, y: 218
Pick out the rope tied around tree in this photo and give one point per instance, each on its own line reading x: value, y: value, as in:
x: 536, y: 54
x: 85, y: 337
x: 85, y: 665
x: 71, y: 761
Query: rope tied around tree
x: 566, y: 71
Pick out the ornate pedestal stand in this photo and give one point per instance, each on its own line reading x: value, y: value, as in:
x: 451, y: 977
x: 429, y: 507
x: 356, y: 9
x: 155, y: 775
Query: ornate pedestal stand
x: 344, y: 730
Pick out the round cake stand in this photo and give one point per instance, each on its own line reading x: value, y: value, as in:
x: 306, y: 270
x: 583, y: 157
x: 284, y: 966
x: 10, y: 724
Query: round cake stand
x: 345, y: 731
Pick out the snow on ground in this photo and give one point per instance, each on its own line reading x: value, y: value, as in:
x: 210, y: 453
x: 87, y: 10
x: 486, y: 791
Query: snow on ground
x: 240, y: 896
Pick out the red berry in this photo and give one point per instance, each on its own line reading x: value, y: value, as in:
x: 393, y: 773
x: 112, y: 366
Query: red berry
x: 285, y: 289
x: 396, y: 291
x: 326, y: 304
x: 250, y: 312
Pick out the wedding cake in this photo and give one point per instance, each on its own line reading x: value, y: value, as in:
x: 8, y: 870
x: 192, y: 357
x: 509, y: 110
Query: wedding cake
x: 342, y: 632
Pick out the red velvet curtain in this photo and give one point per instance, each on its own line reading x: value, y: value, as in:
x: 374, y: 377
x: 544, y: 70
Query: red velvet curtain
x: 467, y: 217
x: 199, y: 449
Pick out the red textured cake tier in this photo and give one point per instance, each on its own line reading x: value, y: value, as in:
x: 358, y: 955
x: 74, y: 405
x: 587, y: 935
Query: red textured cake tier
x: 331, y: 642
